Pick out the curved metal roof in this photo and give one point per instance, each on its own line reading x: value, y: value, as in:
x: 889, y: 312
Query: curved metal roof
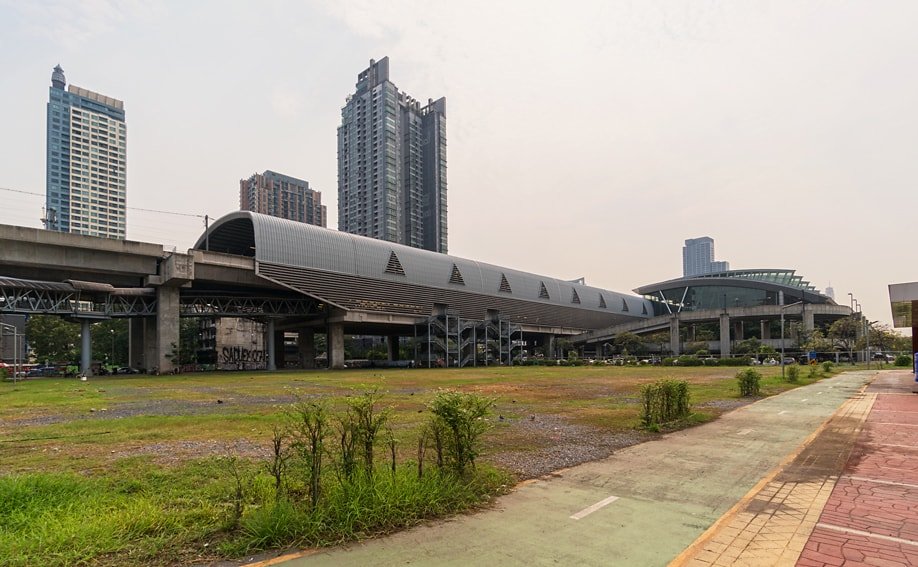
x: 771, y: 279
x: 280, y: 241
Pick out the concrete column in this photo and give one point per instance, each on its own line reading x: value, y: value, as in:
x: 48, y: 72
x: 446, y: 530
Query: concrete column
x: 149, y: 343
x: 167, y: 327
x: 85, y: 348
x: 306, y: 344
x: 766, y: 329
x: 269, y: 345
x: 674, y: 344
x: 136, y: 342
x: 739, y: 331
x: 335, y: 345
x: 392, y: 347
x: 549, y: 346
x: 280, y: 351
x: 809, y: 321
x: 724, y: 335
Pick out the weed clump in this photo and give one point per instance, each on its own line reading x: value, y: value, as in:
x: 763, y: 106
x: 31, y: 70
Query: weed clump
x: 664, y: 401
x: 792, y: 374
x: 749, y: 382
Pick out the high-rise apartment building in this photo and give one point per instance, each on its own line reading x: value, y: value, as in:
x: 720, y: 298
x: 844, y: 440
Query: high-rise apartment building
x: 86, y: 188
x: 392, y: 164
x: 698, y: 258
x: 280, y: 195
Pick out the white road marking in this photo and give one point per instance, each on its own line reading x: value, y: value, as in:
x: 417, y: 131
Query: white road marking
x: 850, y: 531
x: 804, y: 400
x: 818, y: 393
x: 745, y: 432
x: 782, y: 412
x: 590, y: 509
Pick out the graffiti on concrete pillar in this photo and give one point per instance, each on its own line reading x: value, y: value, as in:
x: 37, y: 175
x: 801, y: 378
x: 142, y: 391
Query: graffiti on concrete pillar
x: 238, y: 354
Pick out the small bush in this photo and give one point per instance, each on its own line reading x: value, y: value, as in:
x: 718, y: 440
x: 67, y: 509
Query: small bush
x: 827, y: 366
x: 814, y: 371
x: 792, y: 374
x: 663, y: 402
x: 749, y: 381
x: 458, y: 422
x: 903, y: 360
x: 688, y: 360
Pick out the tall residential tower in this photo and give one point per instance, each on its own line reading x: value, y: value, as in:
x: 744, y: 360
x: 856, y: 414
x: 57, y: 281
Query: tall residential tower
x: 280, y: 195
x: 392, y: 164
x: 86, y: 189
x: 698, y: 258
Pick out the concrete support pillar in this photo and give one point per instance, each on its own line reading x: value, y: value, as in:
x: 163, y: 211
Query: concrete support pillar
x: 809, y: 321
x: 85, y: 348
x: 739, y: 330
x: 724, y: 334
x: 167, y: 328
x: 765, y: 328
x: 280, y: 351
x: 306, y: 344
x: 149, y: 343
x: 335, y: 346
x: 549, y: 346
x: 675, y: 345
x: 136, y: 342
x: 270, y: 337
x: 392, y: 349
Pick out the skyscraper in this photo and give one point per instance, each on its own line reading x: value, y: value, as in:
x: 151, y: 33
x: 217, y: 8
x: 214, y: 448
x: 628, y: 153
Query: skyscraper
x: 282, y: 196
x: 392, y: 164
x: 86, y: 188
x: 698, y: 258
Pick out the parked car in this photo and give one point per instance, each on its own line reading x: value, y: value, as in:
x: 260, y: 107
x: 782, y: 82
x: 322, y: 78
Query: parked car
x: 790, y: 360
x: 754, y: 361
x: 770, y: 362
x: 126, y: 370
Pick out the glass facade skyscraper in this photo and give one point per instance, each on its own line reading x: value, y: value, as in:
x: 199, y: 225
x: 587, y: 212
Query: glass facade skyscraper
x: 86, y: 183
x: 698, y: 258
x: 392, y: 164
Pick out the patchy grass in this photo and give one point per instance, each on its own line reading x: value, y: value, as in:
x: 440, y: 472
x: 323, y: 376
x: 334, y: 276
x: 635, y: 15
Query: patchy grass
x: 125, y: 470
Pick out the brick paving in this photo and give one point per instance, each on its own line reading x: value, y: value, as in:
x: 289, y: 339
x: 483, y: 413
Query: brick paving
x: 850, y: 497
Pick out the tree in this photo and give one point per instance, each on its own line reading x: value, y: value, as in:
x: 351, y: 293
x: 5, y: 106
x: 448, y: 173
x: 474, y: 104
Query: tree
x: 110, y: 341
x: 628, y: 342
x: 748, y: 346
x: 53, y: 339
x: 843, y: 334
x: 659, y: 338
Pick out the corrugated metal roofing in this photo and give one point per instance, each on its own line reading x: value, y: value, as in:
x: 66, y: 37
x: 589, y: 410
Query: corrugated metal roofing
x: 280, y: 241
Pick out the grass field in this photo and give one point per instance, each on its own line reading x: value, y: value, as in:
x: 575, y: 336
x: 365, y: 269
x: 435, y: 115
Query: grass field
x: 132, y: 469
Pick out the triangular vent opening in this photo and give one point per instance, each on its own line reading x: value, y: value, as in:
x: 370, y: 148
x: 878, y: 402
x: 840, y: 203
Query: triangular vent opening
x: 574, y: 297
x: 504, y: 284
x: 602, y: 302
x: 644, y: 309
x: 394, y: 266
x: 543, y: 291
x: 624, y: 305
x: 456, y: 276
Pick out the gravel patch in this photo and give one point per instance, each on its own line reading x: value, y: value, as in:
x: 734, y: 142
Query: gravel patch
x: 567, y: 445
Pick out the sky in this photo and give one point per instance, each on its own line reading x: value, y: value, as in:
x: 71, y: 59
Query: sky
x: 585, y: 139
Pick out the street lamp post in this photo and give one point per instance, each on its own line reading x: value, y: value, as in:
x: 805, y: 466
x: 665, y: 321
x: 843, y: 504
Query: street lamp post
x: 783, y: 307
x: 112, y: 331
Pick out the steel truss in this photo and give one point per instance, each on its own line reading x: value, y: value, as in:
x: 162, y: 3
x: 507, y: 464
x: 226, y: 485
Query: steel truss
x: 227, y: 306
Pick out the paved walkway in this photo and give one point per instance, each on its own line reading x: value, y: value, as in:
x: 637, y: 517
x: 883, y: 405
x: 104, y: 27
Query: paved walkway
x: 850, y: 498
x: 646, y: 504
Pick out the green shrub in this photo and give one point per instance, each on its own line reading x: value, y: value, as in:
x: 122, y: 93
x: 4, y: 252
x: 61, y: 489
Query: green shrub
x: 792, y: 373
x: 688, y: 360
x: 748, y: 381
x: 457, y: 424
x: 664, y: 401
x: 827, y: 366
x: 903, y: 360
x: 814, y: 371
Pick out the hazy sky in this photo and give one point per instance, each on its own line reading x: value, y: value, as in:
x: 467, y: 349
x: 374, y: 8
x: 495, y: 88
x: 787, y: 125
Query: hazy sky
x: 584, y: 138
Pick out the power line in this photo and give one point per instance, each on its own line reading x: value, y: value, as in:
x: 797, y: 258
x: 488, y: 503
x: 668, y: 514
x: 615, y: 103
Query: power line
x: 129, y: 208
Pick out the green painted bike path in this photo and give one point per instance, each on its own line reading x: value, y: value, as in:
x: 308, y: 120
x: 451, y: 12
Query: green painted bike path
x: 641, y: 506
